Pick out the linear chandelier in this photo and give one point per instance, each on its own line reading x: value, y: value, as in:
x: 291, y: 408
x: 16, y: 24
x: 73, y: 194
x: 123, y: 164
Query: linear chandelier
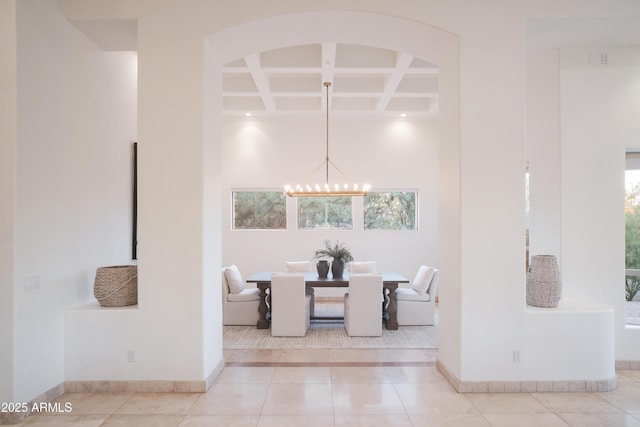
x: 323, y: 190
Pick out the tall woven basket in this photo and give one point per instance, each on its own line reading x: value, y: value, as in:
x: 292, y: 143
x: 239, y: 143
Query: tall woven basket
x: 116, y: 286
x: 544, y: 287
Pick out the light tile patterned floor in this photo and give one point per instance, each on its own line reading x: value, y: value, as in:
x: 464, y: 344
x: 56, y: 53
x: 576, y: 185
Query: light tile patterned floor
x: 291, y: 387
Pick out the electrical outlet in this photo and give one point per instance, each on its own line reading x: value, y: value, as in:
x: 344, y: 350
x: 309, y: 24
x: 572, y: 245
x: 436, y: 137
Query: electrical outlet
x: 31, y: 283
x: 516, y: 356
x: 131, y: 356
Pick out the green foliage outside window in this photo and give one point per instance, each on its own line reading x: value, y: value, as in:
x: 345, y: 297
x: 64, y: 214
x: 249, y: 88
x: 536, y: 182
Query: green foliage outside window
x: 259, y: 210
x: 325, y: 213
x: 632, y: 228
x: 632, y: 239
x: 390, y: 211
x: 631, y: 287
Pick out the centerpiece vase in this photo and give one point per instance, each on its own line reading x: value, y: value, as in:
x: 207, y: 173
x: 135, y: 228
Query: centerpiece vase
x: 323, y: 268
x: 544, y: 287
x: 337, y: 269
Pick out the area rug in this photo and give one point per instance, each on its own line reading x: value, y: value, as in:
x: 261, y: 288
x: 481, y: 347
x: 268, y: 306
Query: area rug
x: 329, y: 334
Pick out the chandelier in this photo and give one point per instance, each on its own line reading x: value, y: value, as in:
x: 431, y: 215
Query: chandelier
x: 326, y: 189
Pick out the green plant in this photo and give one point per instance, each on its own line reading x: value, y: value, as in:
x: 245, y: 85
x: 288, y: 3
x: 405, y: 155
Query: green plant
x: 337, y: 251
x: 631, y: 287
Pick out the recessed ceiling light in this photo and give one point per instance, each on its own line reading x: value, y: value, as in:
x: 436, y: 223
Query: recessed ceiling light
x: 247, y: 114
x: 403, y: 115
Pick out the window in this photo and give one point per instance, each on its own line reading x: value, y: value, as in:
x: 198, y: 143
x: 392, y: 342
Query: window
x: 632, y: 237
x: 527, y: 210
x: 390, y: 211
x: 315, y: 213
x: 259, y: 210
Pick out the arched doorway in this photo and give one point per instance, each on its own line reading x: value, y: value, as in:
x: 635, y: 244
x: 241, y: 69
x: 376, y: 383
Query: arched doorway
x: 357, y: 28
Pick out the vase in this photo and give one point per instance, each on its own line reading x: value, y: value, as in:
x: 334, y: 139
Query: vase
x: 337, y: 269
x: 544, y: 287
x: 323, y: 268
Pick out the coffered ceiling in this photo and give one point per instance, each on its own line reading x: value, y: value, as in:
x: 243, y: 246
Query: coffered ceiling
x: 365, y: 80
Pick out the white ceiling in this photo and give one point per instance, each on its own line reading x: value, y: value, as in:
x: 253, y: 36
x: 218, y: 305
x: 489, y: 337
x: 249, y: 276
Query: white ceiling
x: 365, y: 80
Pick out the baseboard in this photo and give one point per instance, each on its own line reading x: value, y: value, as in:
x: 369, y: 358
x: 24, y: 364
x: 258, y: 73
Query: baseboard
x: 590, y: 386
x: 150, y: 386
x: 146, y: 386
x: 627, y: 365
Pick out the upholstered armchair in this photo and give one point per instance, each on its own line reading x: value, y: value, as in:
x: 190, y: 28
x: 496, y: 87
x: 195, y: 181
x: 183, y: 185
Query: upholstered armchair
x: 417, y: 305
x: 362, y: 310
x: 303, y: 267
x: 290, y: 305
x: 239, y: 304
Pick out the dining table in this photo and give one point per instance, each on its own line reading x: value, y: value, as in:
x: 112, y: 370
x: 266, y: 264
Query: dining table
x: 390, y: 282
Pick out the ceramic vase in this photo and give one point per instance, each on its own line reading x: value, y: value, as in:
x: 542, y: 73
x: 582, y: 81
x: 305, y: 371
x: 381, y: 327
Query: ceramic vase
x: 323, y: 268
x: 544, y: 287
x: 337, y: 269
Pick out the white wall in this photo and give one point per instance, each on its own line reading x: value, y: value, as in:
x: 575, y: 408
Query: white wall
x: 492, y: 193
x: 390, y: 154
x: 543, y: 151
x: 487, y: 287
x: 178, y: 248
x: 449, y: 245
x: 579, y: 325
x: 8, y: 144
x: 76, y: 122
x: 600, y: 107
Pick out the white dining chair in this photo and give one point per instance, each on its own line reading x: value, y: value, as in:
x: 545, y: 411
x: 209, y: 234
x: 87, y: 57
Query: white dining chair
x: 362, y: 310
x: 239, y: 304
x: 299, y: 266
x: 362, y: 267
x: 359, y: 267
x: 303, y: 267
x: 290, y: 306
x: 417, y: 305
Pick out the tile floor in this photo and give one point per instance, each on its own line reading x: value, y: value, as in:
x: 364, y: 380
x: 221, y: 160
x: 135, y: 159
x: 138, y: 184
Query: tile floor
x: 345, y: 388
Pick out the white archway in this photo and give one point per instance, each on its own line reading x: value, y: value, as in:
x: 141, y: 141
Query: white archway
x: 363, y: 28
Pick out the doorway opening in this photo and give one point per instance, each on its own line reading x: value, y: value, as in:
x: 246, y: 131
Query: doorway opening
x: 238, y: 53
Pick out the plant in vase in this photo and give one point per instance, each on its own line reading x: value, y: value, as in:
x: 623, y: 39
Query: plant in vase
x: 340, y: 254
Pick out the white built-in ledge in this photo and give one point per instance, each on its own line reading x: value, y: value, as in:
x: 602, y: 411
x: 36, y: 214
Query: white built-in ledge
x: 567, y: 348
x: 572, y: 307
x: 572, y: 342
x: 95, y: 305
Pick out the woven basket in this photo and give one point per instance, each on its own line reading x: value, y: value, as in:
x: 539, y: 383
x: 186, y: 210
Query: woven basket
x: 544, y: 288
x: 116, y: 286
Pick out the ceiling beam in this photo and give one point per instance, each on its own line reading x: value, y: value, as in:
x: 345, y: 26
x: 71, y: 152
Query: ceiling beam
x: 261, y: 81
x: 403, y: 61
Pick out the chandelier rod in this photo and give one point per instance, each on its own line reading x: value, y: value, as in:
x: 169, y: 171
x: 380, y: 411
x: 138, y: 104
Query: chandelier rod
x: 346, y: 191
x: 327, y: 84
